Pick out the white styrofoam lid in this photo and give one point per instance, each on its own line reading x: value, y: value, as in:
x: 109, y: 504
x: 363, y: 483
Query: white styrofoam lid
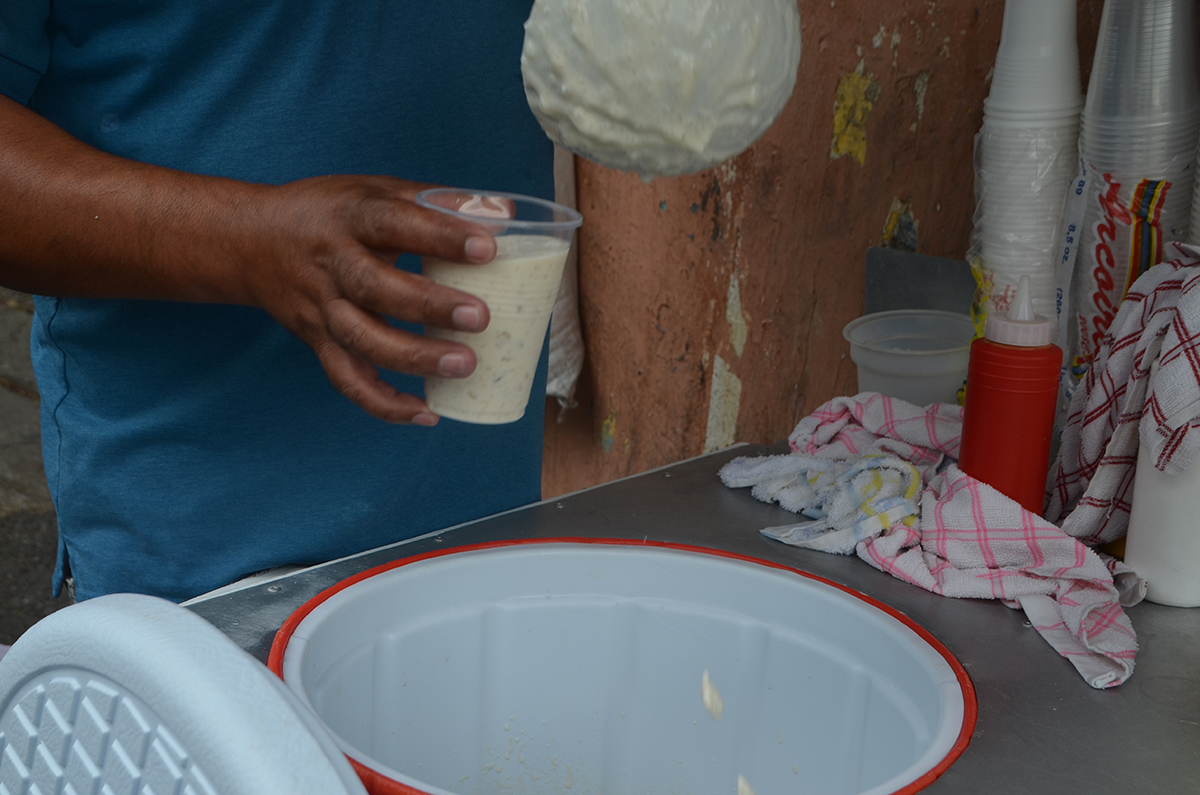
x: 132, y: 694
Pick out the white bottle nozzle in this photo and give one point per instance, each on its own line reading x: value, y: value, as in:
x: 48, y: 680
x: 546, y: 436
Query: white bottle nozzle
x: 1022, y: 305
x: 1021, y: 326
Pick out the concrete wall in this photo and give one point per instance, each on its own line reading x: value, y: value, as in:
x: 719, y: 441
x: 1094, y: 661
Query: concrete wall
x: 713, y: 304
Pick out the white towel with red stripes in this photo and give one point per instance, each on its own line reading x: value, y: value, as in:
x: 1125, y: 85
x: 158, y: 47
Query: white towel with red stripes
x: 875, y: 476
x: 1116, y: 407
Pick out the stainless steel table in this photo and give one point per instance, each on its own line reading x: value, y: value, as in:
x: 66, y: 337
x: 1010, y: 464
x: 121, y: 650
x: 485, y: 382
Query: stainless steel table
x: 1041, y: 729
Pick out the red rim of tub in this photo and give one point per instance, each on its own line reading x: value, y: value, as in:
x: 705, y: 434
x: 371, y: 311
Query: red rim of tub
x: 379, y: 784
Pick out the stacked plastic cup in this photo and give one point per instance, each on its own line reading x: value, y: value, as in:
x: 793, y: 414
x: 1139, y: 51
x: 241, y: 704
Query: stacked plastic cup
x: 1194, y: 229
x: 1138, y: 136
x: 1026, y: 151
x: 1143, y: 105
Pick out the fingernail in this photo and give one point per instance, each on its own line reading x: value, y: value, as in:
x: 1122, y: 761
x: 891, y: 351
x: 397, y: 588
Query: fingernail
x: 426, y: 419
x: 467, y: 318
x: 479, y: 248
x: 453, y: 365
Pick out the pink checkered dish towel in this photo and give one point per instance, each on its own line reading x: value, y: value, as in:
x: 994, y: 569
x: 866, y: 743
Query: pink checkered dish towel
x: 1115, y: 406
x: 875, y: 476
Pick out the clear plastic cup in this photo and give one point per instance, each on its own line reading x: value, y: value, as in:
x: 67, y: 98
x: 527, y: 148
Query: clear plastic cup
x: 1024, y: 192
x: 1108, y: 250
x: 1034, y: 239
x: 1000, y: 155
x: 1142, y: 115
x: 1002, y: 139
x: 519, y: 287
x: 1025, y: 161
x: 1019, y: 250
x: 919, y: 356
x: 1174, y: 135
x: 1037, y: 265
x: 1037, y: 63
x: 1162, y: 127
x: 1021, y: 185
x: 1147, y: 155
x: 1176, y: 208
x: 997, y: 209
x: 1016, y: 255
x: 1000, y: 207
x: 1145, y: 65
x: 999, y: 117
x: 1194, y: 235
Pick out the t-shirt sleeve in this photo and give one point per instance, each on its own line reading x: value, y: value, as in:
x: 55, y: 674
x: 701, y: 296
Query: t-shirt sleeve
x: 24, y: 47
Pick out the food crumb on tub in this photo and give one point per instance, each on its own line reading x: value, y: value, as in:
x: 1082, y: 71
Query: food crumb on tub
x: 711, y: 697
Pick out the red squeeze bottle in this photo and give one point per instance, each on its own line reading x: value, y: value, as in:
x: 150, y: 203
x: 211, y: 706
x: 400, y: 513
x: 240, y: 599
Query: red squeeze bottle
x: 1012, y: 391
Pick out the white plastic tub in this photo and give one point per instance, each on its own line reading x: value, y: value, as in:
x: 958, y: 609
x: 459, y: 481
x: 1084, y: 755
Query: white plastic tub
x: 576, y: 668
x: 917, y: 355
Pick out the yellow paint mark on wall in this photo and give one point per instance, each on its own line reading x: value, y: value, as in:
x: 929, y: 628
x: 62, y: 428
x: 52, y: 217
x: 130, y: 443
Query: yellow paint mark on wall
x: 981, y: 307
x: 733, y: 314
x: 900, y: 228
x: 608, y: 431
x: 724, y: 404
x: 856, y: 96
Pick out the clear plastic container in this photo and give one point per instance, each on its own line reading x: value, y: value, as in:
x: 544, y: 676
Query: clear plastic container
x: 916, y: 355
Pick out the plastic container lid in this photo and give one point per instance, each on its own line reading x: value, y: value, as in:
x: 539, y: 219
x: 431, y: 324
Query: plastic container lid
x: 1021, y: 326
x: 134, y: 694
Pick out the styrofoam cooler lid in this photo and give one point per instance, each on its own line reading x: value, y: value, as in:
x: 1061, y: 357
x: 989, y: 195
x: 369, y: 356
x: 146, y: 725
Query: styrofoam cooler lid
x: 541, y: 666
x: 128, y: 694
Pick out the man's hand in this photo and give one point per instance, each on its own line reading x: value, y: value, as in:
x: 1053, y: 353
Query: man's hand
x: 317, y: 254
x: 324, y: 268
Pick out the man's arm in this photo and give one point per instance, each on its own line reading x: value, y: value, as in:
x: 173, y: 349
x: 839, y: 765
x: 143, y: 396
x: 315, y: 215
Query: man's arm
x: 316, y: 254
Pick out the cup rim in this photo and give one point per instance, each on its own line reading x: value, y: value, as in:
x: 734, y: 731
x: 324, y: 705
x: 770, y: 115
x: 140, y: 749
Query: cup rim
x: 932, y: 314
x: 572, y: 221
x: 1134, y: 121
x: 1029, y: 112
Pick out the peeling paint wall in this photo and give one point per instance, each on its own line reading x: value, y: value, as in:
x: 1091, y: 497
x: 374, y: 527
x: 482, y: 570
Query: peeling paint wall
x: 857, y: 94
x: 713, y: 304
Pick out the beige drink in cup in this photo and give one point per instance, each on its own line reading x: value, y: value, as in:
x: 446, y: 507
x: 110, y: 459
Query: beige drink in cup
x: 519, y: 287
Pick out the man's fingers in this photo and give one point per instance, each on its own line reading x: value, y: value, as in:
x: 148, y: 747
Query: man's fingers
x: 396, y: 225
x: 361, y: 384
x: 401, y: 295
x: 370, y: 338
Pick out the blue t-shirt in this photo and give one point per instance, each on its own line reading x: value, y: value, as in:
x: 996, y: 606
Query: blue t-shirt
x: 188, y: 445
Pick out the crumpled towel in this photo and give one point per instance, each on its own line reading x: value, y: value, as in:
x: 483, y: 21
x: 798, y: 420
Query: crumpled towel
x: 857, y: 468
x: 956, y: 536
x: 844, y: 503
x: 1113, y: 407
x: 846, y: 427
